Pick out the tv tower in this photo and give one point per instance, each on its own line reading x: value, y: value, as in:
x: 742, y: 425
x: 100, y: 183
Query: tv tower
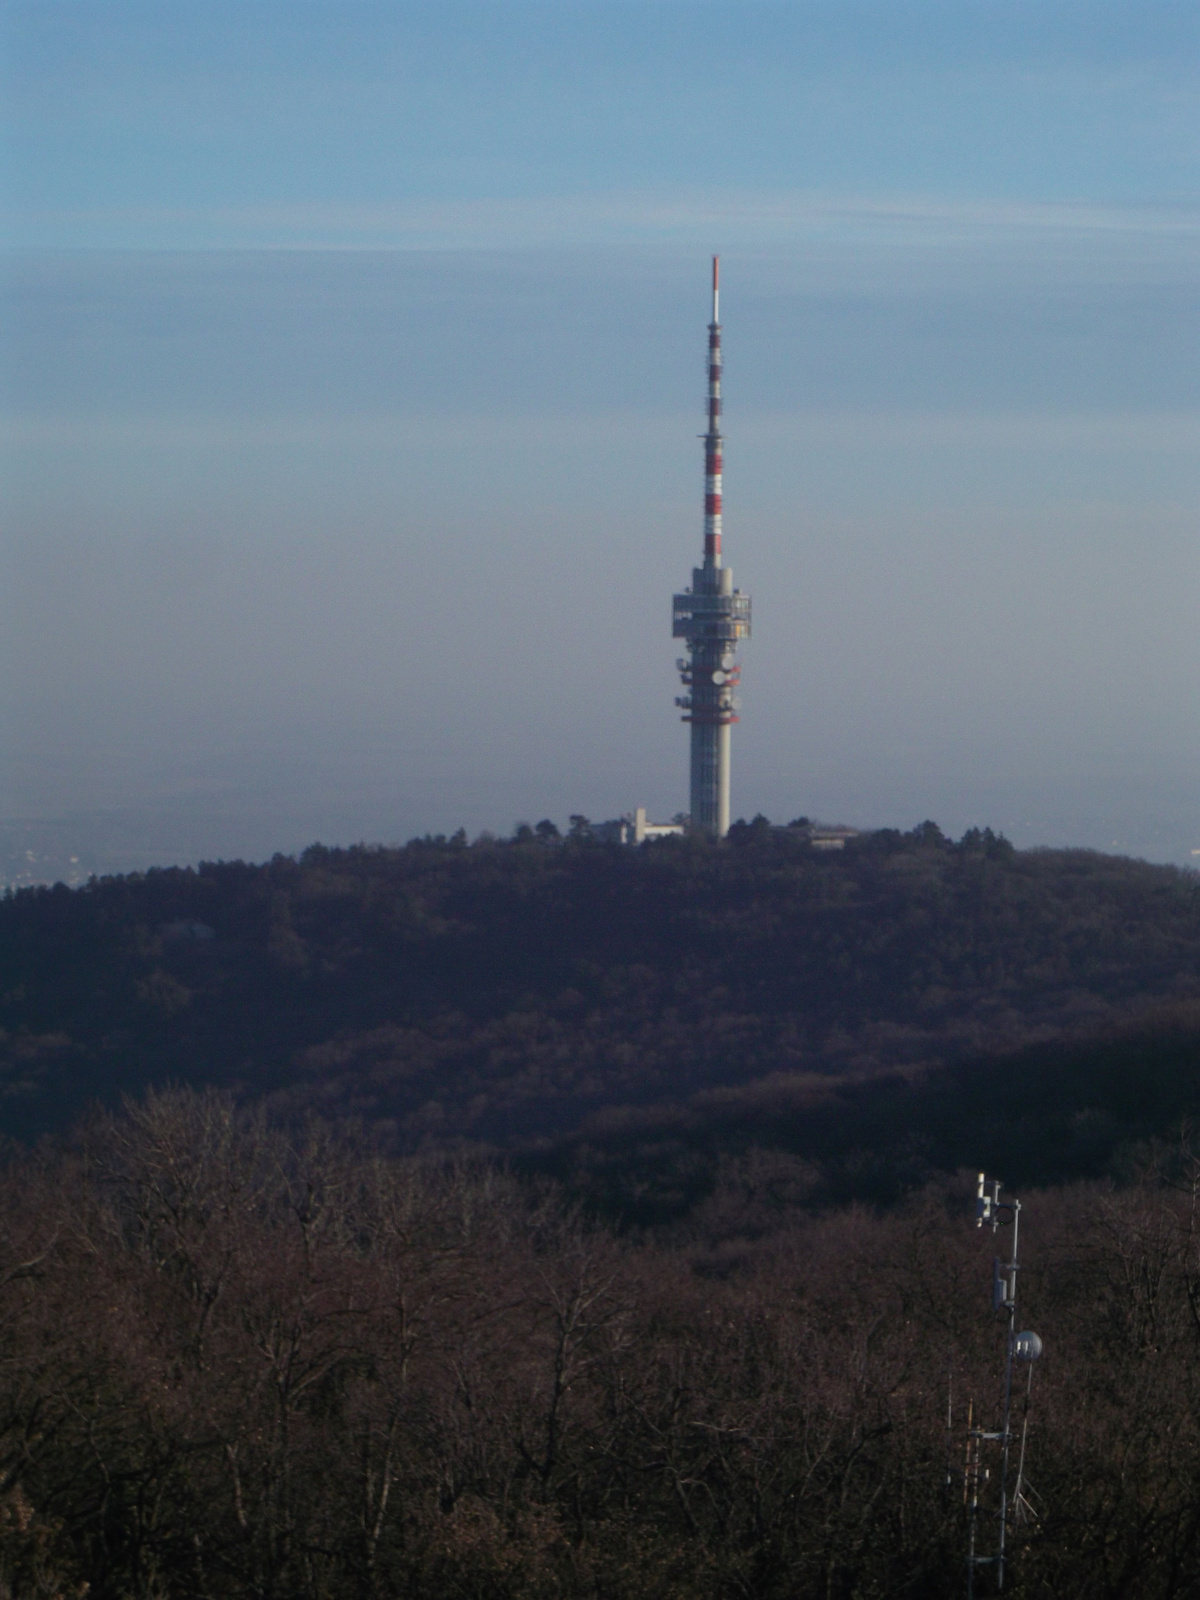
x: 712, y: 616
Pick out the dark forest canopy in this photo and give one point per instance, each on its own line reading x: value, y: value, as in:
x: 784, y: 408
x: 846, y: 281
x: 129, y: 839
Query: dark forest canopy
x: 243, y: 1362
x: 290, y: 1329
x: 636, y: 1020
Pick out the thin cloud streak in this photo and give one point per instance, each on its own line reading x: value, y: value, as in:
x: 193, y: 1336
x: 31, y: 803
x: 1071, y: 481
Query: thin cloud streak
x: 1043, y: 431
x: 610, y: 221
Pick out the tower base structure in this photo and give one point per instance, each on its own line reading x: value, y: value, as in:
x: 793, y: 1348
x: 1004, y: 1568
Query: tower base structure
x: 712, y: 616
x: 710, y: 779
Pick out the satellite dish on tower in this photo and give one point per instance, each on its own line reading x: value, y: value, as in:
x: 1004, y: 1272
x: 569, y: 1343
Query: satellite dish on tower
x: 1027, y: 1347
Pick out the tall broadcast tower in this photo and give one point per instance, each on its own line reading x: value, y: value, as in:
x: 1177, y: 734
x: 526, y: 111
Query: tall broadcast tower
x: 712, y: 616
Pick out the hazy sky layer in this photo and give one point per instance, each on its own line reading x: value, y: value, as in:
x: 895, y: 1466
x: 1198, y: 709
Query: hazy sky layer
x: 353, y: 362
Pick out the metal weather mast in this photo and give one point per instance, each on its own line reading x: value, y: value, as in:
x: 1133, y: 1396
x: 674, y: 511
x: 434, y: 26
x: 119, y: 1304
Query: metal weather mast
x: 711, y: 616
x: 1013, y: 1501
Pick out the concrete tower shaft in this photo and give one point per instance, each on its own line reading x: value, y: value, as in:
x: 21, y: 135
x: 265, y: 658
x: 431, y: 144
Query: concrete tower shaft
x: 712, y: 616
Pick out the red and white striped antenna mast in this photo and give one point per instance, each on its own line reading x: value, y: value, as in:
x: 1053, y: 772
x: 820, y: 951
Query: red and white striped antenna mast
x: 713, y: 443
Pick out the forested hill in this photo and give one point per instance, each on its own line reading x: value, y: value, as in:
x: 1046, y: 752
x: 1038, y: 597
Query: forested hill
x: 579, y: 1002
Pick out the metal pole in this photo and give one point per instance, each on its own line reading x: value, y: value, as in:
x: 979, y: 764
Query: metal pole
x: 971, y: 1495
x: 1019, y: 1490
x: 1011, y: 1302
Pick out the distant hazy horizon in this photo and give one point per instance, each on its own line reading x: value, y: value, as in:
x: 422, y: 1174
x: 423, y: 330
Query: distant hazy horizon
x: 352, y: 367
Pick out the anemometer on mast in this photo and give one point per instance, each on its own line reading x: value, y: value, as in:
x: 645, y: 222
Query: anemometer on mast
x: 994, y: 1213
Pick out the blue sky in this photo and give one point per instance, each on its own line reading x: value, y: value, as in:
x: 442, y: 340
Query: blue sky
x: 352, y: 366
x: 170, y: 123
